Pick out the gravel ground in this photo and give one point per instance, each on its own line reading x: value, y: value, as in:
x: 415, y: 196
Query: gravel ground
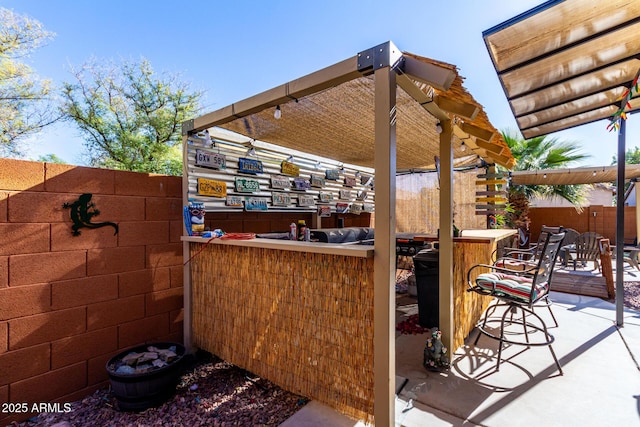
x: 632, y: 295
x: 225, y: 396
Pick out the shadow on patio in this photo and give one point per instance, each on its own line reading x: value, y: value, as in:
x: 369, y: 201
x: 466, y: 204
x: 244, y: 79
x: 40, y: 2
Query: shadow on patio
x: 600, y: 385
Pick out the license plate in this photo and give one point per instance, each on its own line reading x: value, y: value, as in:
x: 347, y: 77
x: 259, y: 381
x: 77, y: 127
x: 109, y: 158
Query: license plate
x: 332, y: 174
x: 210, y: 160
x: 246, y: 185
x: 280, y: 199
x: 234, y: 201
x: 255, y: 204
x: 326, y: 197
x: 301, y: 184
x: 305, y: 200
x: 317, y: 181
x: 279, y: 181
x: 342, y: 207
x: 356, y: 209
x: 324, y: 211
x: 290, y: 169
x: 210, y: 187
x: 345, y: 194
x: 249, y: 166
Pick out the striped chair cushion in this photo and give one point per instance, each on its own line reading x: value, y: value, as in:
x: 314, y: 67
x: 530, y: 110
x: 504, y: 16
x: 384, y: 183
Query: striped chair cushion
x: 513, y: 286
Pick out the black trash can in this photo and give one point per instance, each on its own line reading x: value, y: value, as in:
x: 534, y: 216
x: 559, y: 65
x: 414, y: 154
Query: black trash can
x: 426, y: 264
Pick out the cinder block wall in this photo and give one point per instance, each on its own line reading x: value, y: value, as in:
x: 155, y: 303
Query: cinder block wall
x: 68, y: 304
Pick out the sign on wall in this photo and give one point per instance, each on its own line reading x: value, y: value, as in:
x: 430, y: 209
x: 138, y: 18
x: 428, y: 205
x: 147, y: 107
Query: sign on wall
x: 210, y: 160
x: 280, y: 199
x: 246, y: 185
x: 332, y: 174
x: 255, y: 204
x: 212, y: 188
x: 290, y: 169
x: 279, y: 181
x: 306, y: 200
x: 317, y: 181
x: 222, y: 178
x: 235, y: 201
x: 250, y: 166
x: 301, y: 184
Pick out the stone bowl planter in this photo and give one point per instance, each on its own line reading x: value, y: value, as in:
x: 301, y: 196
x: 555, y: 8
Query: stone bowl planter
x: 145, y: 376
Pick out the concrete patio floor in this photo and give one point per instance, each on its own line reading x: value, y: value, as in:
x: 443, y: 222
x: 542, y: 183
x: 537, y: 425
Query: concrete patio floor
x: 600, y: 385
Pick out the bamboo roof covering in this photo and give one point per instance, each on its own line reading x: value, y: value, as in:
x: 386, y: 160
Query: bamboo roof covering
x: 568, y: 62
x: 330, y: 113
x: 584, y: 175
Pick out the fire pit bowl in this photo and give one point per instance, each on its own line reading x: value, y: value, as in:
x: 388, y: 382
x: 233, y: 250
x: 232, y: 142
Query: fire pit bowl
x: 145, y: 376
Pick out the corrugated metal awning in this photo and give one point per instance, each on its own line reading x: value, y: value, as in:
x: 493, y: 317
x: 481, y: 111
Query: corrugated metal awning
x: 567, y: 62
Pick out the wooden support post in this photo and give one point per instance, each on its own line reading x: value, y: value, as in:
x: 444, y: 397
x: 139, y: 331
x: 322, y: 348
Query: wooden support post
x: 607, y: 269
x: 445, y: 283
x: 384, y: 309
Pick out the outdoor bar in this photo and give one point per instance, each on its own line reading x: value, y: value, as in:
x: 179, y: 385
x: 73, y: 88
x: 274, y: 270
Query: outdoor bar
x: 318, y: 318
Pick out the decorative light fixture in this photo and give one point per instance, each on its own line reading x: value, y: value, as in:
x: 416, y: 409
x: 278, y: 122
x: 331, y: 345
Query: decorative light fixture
x: 278, y: 113
x: 438, y: 127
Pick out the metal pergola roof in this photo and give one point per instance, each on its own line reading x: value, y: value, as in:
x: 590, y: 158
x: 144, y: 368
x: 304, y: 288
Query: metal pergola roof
x: 570, y: 62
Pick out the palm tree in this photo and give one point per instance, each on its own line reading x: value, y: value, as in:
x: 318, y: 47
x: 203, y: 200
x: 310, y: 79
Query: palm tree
x: 541, y: 153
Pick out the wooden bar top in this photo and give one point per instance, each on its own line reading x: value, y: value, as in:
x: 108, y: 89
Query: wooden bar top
x: 472, y: 236
x: 363, y: 251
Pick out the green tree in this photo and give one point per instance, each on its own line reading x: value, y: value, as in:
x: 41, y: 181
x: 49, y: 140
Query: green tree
x: 631, y: 157
x: 541, y: 153
x: 51, y: 158
x: 25, y: 104
x: 130, y: 118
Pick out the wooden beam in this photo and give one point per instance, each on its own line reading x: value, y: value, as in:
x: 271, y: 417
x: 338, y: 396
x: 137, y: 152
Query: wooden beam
x: 463, y: 109
x: 491, y: 193
x: 494, y: 148
x: 491, y: 212
x: 421, y: 98
x: 477, y: 131
x: 491, y: 199
x: 491, y: 182
x: 439, y: 77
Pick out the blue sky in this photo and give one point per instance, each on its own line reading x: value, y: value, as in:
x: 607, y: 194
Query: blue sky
x: 234, y: 49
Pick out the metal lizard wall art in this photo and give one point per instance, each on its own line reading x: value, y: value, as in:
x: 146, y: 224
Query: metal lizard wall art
x: 82, y: 210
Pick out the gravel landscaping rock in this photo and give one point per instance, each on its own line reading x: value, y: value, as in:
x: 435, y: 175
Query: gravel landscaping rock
x: 211, y: 392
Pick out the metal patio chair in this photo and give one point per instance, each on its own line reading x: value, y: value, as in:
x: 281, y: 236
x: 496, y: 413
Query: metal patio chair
x: 518, y: 291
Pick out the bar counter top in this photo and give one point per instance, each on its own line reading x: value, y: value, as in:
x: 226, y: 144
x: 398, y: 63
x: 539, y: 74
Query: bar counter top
x: 471, y: 236
x: 354, y: 250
